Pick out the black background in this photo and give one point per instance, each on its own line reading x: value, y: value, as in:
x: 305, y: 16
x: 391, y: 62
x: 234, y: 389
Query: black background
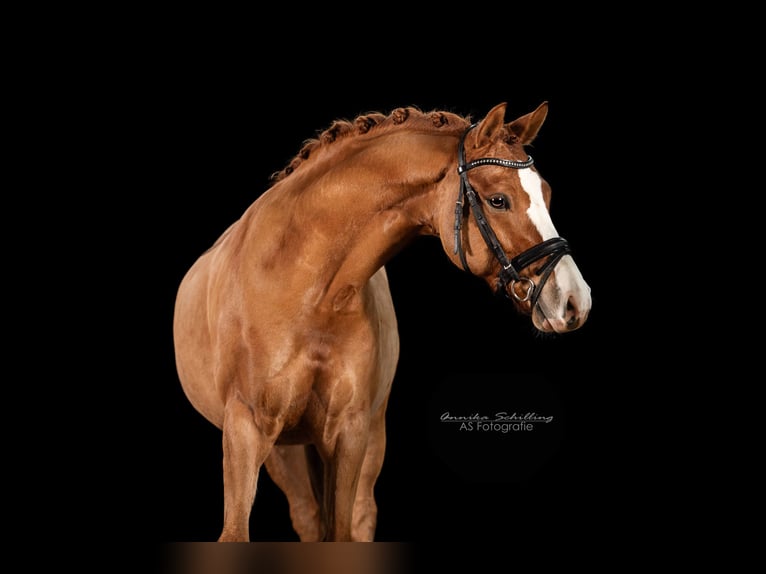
x: 142, y: 134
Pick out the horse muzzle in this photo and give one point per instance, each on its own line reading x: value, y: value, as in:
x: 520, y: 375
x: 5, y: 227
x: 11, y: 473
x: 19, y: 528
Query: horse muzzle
x: 561, y: 311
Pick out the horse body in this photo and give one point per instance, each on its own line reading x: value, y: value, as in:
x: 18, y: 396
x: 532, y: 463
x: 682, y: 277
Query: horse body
x: 285, y: 332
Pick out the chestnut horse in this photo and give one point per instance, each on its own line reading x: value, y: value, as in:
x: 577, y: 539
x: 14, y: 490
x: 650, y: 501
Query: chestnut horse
x: 285, y: 332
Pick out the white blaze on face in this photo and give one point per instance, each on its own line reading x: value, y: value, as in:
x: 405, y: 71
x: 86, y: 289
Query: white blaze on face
x: 537, y: 211
x: 566, y: 286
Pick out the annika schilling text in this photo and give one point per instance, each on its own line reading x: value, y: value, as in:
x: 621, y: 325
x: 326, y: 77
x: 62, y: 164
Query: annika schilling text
x: 499, y: 422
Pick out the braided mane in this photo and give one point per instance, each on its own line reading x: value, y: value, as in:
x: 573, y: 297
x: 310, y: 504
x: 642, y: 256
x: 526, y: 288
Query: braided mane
x: 409, y: 117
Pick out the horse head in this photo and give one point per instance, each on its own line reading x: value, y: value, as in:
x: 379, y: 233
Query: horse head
x: 501, y: 229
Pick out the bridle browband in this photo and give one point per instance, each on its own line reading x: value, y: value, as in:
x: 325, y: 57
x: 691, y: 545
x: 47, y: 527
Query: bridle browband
x: 554, y: 248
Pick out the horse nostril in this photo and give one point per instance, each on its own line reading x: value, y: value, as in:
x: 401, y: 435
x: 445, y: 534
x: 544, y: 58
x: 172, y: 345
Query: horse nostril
x: 573, y: 319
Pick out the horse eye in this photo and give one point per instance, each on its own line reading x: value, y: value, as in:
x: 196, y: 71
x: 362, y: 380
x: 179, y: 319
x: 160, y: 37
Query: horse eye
x: 498, y: 202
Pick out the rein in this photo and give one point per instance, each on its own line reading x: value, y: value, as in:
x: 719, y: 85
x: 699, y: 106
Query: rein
x: 510, y: 273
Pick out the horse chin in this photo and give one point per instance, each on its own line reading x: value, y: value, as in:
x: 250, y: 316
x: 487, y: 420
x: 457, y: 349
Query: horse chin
x: 541, y: 322
x: 545, y: 325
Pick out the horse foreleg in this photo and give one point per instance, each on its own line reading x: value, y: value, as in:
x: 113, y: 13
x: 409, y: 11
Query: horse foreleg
x: 245, y: 448
x: 342, y: 477
x: 365, y: 507
x: 290, y: 470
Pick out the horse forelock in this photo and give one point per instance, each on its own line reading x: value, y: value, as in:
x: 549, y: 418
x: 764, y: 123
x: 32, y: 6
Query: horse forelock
x: 409, y: 117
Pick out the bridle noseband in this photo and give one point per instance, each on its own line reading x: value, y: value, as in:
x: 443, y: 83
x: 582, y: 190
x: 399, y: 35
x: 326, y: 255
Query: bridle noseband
x: 554, y: 248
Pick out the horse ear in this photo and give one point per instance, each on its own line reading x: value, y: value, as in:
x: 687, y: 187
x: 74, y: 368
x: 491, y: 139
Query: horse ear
x: 526, y: 127
x: 489, y: 128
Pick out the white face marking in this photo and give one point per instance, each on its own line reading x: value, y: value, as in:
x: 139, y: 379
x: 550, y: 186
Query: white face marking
x: 568, y: 284
x: 537, y: 212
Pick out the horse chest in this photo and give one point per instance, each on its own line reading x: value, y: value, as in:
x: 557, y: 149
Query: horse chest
x: 332, y: 351
x: 327, y: 376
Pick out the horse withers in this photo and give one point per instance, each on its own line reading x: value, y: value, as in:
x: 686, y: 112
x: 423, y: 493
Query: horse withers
x: 285, y: 331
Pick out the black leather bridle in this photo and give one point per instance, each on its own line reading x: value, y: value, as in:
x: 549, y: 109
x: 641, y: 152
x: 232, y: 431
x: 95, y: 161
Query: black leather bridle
x: 510, y: 272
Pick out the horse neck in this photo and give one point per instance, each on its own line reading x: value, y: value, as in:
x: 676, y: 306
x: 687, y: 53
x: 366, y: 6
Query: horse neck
x: 338, y: 218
